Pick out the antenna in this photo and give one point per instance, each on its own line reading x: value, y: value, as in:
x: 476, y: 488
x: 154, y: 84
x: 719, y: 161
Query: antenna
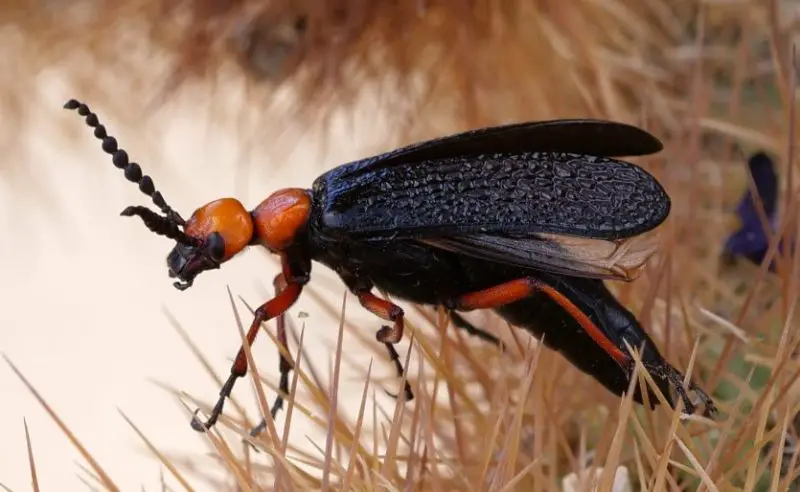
x: 167, y: 225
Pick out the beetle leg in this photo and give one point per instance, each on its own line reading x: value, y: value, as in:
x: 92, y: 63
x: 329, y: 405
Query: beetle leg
x: 519, y: 289
x: 285, y: 366
x: 462, y: 323
x: 387, y: 335
x: 386, y: 311
x: 270, y: 309
x: 516, y: 290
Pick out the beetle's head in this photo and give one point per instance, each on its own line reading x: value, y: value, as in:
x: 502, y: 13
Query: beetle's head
x: 215, y: 232
x: 221, y: 229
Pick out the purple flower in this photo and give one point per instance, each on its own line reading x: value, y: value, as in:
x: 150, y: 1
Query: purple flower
x: 750, y: 240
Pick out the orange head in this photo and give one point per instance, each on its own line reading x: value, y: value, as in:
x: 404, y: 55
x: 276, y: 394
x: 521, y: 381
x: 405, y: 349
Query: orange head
x: 215, y: 232
x: 223, y: 228
x: 219, y: 230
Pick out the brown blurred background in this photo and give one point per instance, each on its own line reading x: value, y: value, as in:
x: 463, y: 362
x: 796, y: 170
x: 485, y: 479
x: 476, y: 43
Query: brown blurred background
x: 231, y: 98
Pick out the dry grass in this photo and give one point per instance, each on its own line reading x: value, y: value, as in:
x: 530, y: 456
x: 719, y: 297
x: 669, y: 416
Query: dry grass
x: 713, y: 80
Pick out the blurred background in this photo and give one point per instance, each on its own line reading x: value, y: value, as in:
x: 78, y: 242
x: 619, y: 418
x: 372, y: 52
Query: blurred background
x: 238, y: 98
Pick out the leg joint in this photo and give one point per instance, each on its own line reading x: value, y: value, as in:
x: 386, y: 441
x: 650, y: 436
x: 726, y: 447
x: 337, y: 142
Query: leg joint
x: 395, y: 312
x: 261, y: 313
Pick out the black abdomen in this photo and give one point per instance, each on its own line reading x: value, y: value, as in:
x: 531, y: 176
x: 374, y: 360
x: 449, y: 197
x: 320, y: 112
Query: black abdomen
x: 418, y: 273
x: 406, y: 269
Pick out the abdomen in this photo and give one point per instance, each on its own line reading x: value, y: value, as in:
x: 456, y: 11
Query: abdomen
x: 406, y: 269
x: 422, y: 274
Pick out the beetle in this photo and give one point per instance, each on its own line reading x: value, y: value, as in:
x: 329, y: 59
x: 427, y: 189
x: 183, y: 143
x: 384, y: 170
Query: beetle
x: 526, y: 219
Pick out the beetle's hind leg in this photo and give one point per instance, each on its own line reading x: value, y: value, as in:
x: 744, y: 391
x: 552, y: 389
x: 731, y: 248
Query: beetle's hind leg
x: 519, y: 289
x: 525, y: 287
x: 675, y: 379
x: 464, y: 324
x: 387, y: 335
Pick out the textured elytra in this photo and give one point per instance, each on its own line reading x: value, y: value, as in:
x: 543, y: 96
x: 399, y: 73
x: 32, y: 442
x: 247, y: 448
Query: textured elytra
x: 504, y: 193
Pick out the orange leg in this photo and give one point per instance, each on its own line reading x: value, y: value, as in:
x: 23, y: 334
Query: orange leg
x: 387, y: 335
x: 384, y: 310
x: 519, y: 289
x: 285, y: 366
x: 275, y: 307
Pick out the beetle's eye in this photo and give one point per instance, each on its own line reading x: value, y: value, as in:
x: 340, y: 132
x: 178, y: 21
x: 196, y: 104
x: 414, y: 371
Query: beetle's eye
x: 216, y: 246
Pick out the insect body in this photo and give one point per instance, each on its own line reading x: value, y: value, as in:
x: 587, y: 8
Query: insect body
x: 525, y: 219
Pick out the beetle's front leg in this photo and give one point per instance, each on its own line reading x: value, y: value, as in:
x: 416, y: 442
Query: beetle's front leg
x: 270, y: 309
x: 285, y: 365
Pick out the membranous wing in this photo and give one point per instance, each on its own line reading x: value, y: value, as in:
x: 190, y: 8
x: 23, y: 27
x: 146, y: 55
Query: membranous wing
x: 500, y: 194
x: 623, y: 259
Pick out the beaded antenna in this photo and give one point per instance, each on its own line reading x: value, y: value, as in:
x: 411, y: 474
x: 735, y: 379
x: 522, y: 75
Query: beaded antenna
x: 167, y: 225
